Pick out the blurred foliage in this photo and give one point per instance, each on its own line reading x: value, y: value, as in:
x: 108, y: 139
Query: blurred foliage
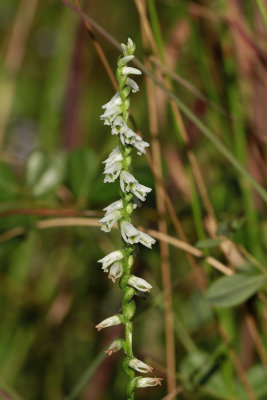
x: 52, y: 292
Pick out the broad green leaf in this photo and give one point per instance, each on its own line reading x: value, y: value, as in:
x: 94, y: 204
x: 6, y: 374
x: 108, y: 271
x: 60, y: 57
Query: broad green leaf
x: 233, y: 290
x: 208, y: 243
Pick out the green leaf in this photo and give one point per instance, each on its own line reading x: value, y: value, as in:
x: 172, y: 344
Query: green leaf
x: 208, y: 243
x: 44, y: 172
x: 233, y: 290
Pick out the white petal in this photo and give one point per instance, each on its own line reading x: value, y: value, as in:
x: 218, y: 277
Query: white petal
x: 116, y: 100
x: 111, y: 258
x: 115, y: 155
x: 131, y: 70
x: 133, y: 85
x: 127, y: 180
x: 124, y: 60
x: 115, y: 346
x: 111, y: 321
x: 145, y: 382
x: 140, y: 366
x: 140, y: 191
x: 116, y: 271
x: 117, y: 205
x: 146, y: 240
x: 109, y: 220
x: 139, y: 283
x: 129, y: 233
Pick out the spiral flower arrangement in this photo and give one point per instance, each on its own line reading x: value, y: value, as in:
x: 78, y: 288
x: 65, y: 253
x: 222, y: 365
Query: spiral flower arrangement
x: 118, y: 264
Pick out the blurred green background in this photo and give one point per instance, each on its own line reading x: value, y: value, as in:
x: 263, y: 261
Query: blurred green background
x: 213, y: 56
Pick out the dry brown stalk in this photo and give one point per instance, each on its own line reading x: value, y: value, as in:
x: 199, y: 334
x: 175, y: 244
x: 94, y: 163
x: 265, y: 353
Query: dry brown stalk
x: 161, y: 207
x: 99, y: 49
x: 257, y: 340
x: 238, y: 366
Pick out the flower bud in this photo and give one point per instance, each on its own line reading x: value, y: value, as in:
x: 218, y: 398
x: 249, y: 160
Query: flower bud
x: 140, y: 366
x: 130, y: 46
x: 114, y: 320
x: 139, y: 284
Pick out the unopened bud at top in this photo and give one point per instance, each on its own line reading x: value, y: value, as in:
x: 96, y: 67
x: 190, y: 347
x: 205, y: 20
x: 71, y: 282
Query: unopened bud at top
x: 129, y: 48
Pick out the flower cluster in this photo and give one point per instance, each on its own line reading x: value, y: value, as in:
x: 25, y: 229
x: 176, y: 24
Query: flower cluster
x: 118, y: 263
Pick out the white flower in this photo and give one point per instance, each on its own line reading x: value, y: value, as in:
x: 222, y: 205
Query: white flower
x: 116, y: 271
x: 140, y: 366
x: 132, y: 235
x: 128, y: 136
x: 129, y: 233
x: 130, y: 70
x: 114, y: 156
x: 112, y: 109
x: 114, y: 320
x: 113, y: 165
x: 146, y: 240
x: 124, y: 60
x: 112, y: 172
x: 128, y: 183
x: 115, y: 346
x: 109, y: 220
x: 117, y: 205
x: 111, y: 258
x: 115, y: 101
x: 145, y: 382
x: 140, y: 191
x: 139, y: 283
x: 133, y: 85
x: 140, y: 145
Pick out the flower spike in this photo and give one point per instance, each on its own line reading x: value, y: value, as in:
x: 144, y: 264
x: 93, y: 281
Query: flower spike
x: 118, y: 263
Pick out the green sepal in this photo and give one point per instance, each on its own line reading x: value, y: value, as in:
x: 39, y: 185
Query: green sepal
x: 129, y: 292
x: 131, y: 386
x: 123, y: 281
x: 129, y: 310
x: 126, y: 91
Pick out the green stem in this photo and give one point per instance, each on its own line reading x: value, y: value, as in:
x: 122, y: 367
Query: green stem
x: 128, y: 304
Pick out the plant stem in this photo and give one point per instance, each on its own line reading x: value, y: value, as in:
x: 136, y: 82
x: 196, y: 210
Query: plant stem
x: 128, y: 304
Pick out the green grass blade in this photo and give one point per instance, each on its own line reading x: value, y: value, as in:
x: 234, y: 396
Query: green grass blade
x: 86, y: 376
